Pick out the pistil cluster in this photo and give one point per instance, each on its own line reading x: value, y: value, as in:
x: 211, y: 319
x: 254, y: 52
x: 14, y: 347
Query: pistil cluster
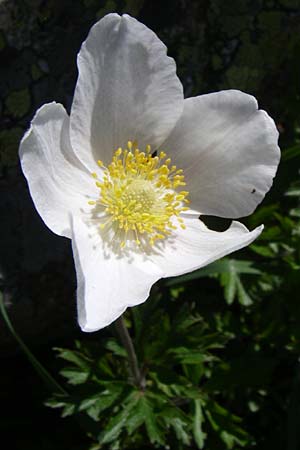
x: 140, y: 196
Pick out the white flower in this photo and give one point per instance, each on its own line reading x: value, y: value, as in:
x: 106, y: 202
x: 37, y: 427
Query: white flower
x: 94, y: 176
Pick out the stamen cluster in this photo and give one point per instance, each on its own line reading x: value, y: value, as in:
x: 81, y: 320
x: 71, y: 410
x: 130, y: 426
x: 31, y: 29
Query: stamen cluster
x: 139, y: 197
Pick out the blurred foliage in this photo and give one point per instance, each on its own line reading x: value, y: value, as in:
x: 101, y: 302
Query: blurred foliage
x: 219, y: 348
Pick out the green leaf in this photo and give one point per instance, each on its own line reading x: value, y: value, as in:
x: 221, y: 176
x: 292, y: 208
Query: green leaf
x: 142, y: 413
x: 75, y: 376
x: 290, y: 153
x: 199, y: 436
x: 263, y: 250
x: 176, y: 419
x: 115, y: 424
x: 68, y: 410
x: 231, y: 281
x: 226, y: 425
x: 293, y: 192
x: 74, y: 357
x: 228, y: 281
x: 243, y: 297
x: 135, y: 419
x: 57, y: 402
x: 69, y: 407
x: 152, y: 427
x: 190, y: 356
x: 99, y: 402
x: 113, y: 346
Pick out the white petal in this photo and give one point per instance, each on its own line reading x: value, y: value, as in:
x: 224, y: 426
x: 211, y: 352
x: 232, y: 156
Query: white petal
x: 198, y: 246
x: 107, y: 284
x: 228, y: 150
x: 127, y: 89
x: 58, y: 182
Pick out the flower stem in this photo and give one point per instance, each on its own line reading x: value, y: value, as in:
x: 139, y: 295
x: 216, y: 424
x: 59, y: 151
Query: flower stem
x: 138, y: 377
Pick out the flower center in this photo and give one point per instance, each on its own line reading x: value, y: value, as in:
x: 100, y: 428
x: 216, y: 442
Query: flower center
x: 139, y: 197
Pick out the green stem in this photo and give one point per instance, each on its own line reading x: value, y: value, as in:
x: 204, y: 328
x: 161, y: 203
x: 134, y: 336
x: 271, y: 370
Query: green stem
x: 138, y: 378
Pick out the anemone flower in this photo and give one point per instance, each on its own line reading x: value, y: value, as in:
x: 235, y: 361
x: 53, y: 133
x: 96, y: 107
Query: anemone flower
x: 128, y: 174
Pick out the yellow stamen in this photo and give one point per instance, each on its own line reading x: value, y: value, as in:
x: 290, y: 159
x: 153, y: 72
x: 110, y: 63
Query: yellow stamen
x: 139, y: 196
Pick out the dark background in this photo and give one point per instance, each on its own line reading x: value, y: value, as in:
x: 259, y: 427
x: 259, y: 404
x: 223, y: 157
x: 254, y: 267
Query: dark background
x: 249, y: 45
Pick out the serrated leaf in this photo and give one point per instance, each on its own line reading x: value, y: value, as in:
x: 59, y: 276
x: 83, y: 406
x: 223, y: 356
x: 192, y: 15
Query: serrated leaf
x: 74, y: 357
x: 115, y: 424
x: 98, y: 403
x: 174, y: 418
x: 68, y: 410
x: 135, y: 419
x: 226, y: 425
x: 152, y: 427
x: 231, y: 281
x: 74, y: 376
x: 179, y: 428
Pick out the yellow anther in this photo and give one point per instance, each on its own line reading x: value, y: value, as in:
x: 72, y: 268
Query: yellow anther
x: 94, y: 175
x: 138, y: 196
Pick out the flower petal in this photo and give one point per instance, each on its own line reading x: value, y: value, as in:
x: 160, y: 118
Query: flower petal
x: 58, y: 182
x: 228, y: 150
x: 106, y: 283
x: 127, y: 89
x: 197, y: 246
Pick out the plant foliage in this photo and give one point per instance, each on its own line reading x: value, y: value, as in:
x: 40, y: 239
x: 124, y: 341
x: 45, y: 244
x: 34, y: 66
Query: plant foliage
x: 206, y: 362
